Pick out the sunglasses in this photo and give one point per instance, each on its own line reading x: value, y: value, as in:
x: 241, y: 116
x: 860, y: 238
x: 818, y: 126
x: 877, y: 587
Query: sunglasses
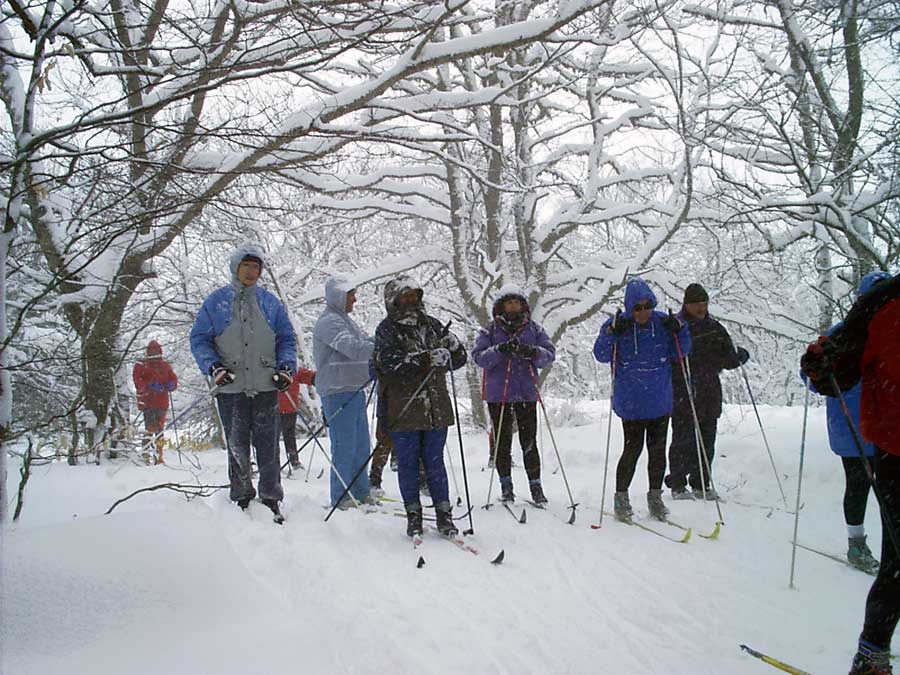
x: 643, y: 307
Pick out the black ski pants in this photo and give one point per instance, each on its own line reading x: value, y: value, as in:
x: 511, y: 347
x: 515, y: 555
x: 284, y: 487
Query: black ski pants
x: 656, y: 430
x: 883, y: 602
x: 252, y: 420
x: 525, y: 414
x: 684, y: 465
x: 289, y: 434
x: 856, y: 489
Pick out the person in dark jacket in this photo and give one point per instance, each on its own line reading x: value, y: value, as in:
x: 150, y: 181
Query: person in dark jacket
x: 511, y: 349
x: 243, y: 339
x: 154, y: 379
x: 642, y: 344
x: 413, y: 353
x: 711, y: 352
x: 866, y: 348
x: 288, y: 407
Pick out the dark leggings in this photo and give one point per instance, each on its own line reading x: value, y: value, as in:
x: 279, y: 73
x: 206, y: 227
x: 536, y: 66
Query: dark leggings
x: 856, y: 492
x: 656, y: 430
x: 883, y: 602
x: 525, y: 414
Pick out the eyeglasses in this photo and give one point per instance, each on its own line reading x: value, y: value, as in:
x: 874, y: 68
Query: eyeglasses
x: 643, y: 307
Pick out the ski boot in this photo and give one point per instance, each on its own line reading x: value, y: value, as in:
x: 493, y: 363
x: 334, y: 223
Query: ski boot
x: 244, y: 503
x: 711, y: 495
x: 622, y: 507
x: 658, y: 510
x: 682, y: 494
x: 537, y: 492
x: 444, y: 513
x: 375, y: 488
x: 869, y: 661
x: 506, y: 489
x: 295, y: 461
x: 859, y: 555
x: 413, y: 519
x: 272, y: 504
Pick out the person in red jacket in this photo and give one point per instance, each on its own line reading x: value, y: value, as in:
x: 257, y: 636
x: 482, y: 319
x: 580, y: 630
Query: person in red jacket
x: 153, y: 380
x: 867, y: 347
x: 288, y: 405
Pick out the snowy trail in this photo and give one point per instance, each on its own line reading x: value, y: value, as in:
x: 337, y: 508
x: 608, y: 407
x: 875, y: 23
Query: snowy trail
x: 167, y: 586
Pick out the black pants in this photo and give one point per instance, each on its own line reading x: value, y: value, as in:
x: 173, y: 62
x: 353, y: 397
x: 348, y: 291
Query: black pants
x: 289, y: 434
x: 883, y: 602
x: 252, y: 420
x: 684, y: 466
x: 656, y: 430
x: 856, y: 490
x: 525, y: 414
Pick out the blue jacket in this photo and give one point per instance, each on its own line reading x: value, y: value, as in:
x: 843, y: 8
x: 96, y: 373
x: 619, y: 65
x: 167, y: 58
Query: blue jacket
x: 642, y: 388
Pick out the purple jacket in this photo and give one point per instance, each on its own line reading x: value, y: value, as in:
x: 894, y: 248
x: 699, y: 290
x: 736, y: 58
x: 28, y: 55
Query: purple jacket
x: 521, y: 376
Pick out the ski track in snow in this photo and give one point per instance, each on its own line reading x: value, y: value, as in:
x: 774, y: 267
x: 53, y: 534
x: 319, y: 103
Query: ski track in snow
x: 165, y: 585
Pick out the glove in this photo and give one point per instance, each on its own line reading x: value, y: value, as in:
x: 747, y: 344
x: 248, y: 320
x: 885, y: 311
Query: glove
x: 671, y: 323
x: 620, y: 324
x: 450, y: 341
x: 508, y: 347
x: 817, y: 364
x: 170, y: 386
x: 282, y: 379
x: 220, y: 374
x: 743, y: 355
x: 526, y: 351
x: 157, y: 386
x: 440, y: 357
x: 312, y: 378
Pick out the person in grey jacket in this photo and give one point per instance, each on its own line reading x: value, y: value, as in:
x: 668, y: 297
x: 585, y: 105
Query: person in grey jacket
x: 243, y: 339
x: 342, y: 352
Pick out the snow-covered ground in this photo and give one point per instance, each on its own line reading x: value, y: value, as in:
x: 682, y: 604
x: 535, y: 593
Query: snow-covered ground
x: 166, y: 585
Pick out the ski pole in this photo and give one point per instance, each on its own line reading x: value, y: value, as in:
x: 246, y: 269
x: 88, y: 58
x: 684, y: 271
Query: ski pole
x: 799, y: 484
x: 781, y: 665
x: 462, y: 455
x: 698, y: 436
x: 763, y: 432
x: 497, y: 433
x: 537, y: 389
x: 369, y: 458
x: 885, y: 519
x: 175, y: 428
x: 612, y: 390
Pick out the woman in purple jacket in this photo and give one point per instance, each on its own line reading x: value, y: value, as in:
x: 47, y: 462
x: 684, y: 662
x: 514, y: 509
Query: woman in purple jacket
x: 510, y: 349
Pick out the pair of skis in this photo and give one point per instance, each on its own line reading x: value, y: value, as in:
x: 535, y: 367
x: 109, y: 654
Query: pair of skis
x: 457, y: 541
x: 683, y: 538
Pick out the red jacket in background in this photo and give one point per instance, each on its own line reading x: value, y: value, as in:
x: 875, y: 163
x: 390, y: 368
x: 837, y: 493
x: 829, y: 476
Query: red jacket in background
x: 154, y: 379
x: 880, y: 403
x: 302, y: 376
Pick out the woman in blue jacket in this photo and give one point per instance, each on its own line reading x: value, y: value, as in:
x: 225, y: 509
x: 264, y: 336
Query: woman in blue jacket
x: 642, y: 344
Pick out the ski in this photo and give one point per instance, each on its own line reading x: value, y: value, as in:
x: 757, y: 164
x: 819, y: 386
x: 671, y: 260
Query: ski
x: 457, y: 541
x: 836, y: 558
x: 519, y: 519
x: 775, y: 663
x: 544, y: 507
x: 636, y: 523
x: 712, y: 535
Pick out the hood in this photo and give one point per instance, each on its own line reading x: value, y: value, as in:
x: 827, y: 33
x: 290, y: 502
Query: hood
x: 509, y: 291
x: 154, y: 349
x: 242, y: 252
x: 336, y: 290
x: 637, y: 291
x: 872, y: 278
x: 397, y: 287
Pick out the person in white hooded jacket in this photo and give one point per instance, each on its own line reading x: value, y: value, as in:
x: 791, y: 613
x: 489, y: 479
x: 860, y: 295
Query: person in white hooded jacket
x: 342, y: 351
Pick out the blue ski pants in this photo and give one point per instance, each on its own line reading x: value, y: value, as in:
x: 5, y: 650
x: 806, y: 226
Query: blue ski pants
x: 252, y: 420
x: 428, y: 445
x: 348, y: 430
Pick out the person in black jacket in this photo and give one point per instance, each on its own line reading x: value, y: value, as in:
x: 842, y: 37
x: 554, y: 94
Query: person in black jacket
x: 711, y: 352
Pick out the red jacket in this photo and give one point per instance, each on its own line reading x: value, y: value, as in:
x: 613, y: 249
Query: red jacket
x: 302, y: 376
x: 880, y: 404
x: 154, y: 379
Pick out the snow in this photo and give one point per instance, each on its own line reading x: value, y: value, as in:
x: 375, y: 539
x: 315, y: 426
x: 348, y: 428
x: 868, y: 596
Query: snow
x: 165, y: 585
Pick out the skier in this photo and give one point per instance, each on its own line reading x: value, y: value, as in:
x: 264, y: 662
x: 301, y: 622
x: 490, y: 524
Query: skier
x: 510, y: 349
x: 643, y: 343
x: 342, y: 352
x: 243, y: 339
x: 866, y: 346
x: 153, y: 380
x: 413, y: 353
x: 711, y: 352
x: 288, y: 406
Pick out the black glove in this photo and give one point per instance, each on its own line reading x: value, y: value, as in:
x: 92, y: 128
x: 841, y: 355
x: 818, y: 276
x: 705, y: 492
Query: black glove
x: 282, y: 379
x: 509, y: 347
x: 818, y: 365
x: 743, y: 355
x: 671, y: 323
x: 220, y: 374
x: 526, y: 351
x: 450, y: 341
x: 620, y: 324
